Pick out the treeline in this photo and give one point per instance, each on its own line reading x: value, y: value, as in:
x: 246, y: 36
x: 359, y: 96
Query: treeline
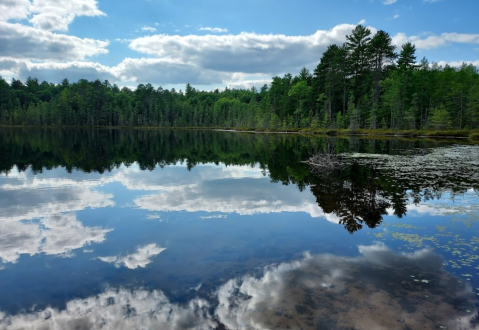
x: 364, y: 83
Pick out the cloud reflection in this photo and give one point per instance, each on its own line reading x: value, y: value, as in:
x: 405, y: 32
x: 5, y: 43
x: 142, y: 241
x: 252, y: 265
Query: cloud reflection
x: 245, y: 196
x: 117, y: 310
x: 140, y: 258
x: 53, y: 235
x: 25, y: 196
x: 377, y: 290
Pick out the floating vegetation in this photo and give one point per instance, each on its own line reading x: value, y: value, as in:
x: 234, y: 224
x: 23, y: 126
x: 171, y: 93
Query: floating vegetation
x: 415, y: 239
x: 454, y: 169
x: 406, y: 226
x: 441, y: 228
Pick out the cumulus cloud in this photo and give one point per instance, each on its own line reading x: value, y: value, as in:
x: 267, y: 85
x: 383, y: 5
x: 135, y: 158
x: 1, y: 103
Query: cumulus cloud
x: 248, y: 84
x: 237, y: 61
x: 49, y: 14
x: 244, y: 52
x: 140, y: 258
x: 52, y: 235
x: 165, y: 71
x: 379, y: 289
x: 436, y: 41
x: 25, y: 42
x: 14, y: 9
x: 54, y: 71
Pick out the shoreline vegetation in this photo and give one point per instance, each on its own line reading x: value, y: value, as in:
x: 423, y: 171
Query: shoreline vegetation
x: 458, y: 134
x: 363, y: 87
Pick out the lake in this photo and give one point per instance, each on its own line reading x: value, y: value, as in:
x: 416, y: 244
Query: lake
x: 165, y: 229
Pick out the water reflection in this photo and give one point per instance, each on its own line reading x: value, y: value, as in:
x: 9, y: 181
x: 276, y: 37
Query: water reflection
x: 377, y: 290
x: 53, y: 235
x: 140, y: 258
x: 25, y: 196
x: 233, y: 189
x: 383, y: 176
x: 373, y: 185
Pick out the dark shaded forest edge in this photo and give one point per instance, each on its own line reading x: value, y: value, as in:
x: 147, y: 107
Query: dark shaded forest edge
x: 364, y: 86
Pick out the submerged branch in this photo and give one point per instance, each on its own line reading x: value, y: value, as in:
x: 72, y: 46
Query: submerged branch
x: 321, y: 163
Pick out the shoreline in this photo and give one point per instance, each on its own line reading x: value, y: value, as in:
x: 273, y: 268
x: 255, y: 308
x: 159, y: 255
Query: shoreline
x: 443, y: 134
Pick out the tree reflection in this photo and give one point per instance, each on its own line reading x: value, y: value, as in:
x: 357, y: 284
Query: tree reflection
x: 358, y: 193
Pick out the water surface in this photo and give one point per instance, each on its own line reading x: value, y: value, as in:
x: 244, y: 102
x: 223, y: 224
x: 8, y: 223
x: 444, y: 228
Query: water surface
x: 212, y: 230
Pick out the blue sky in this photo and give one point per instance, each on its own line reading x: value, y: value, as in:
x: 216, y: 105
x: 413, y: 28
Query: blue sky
x: 211, y: 43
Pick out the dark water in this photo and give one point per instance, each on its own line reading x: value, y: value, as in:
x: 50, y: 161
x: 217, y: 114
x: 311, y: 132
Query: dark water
x: 111, y: 229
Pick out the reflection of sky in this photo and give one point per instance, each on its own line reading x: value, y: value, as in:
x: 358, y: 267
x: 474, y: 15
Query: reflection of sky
x: 314, y: 292
x: 38, y: 214
x: 211, y: 188
x: 216, y: 223
x: 466, y: 203
x: 140, y: 258
x: 52, y: 235
x: 25, y: 196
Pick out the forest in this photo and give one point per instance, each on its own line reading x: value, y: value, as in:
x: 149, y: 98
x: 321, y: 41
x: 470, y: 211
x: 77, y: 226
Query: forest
x: 366, y: 83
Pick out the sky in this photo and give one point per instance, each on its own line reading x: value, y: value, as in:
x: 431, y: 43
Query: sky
x: 215, y: 44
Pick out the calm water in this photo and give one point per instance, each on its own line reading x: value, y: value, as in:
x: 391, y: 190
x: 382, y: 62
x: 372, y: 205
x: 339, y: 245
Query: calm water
x: 115, y: 229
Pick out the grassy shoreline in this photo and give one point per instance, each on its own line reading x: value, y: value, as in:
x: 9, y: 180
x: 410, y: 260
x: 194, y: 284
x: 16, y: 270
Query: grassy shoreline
x: 465, y: 134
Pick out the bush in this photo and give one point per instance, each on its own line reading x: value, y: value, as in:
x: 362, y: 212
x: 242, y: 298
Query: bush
x: 474, y: 136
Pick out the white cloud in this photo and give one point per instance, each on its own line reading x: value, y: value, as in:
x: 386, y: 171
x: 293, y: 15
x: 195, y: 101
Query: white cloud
x: 49, y: 14
x: 214, y: 30
x: 244, y: 52
x: 148, y: 29
x: 141, y: 258
x: 237, y: 61
x: 389, y: 2
x: 53, y: 235
x: 25, y: 42
x: 165, y: 71
x: 435, y: 41
x: 248, y: 84
x: 396, y: 16
x: 458, y: 64
x: 54, y: 71
x: 14, y: 9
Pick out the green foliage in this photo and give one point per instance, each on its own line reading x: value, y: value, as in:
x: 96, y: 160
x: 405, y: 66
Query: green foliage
x: 362, y: 84
x: 440, y: 119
